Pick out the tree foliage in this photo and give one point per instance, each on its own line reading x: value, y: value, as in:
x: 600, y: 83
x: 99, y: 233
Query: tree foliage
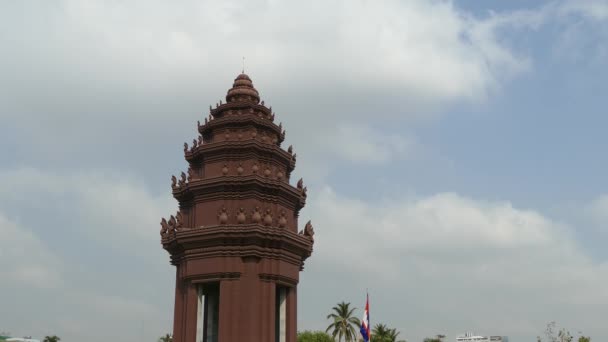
x: 314, y: 336
x: 562, y: 335
x: 166, y: 338
x: 53, y: 338
x: 344, y: 324
x: 382, y: 333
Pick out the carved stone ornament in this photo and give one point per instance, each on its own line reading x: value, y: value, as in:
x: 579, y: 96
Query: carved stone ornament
x: 239, y: 169
x: 268, y: 218
x: 164, y: 226
x: 190, y: 174
x: 267, y: 172
x: 309, y: 231
x: 280, y: 175
x: 173, y: 182
x: 282, y: 219
x: 172, y: 223
x: 183, y: 179
x: 200, y: 140
x: 223, y: 216
x: 185, y: 147
x: 256, y: 216
x: 255, y: 168
x: 225, y: 169
x: 178, y: 220
x: 300, y: 184
x: 240, y: 216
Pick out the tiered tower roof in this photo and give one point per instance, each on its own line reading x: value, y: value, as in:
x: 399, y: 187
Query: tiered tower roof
x: 237, y: 186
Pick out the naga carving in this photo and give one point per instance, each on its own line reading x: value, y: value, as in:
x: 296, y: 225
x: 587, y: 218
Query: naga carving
x: 178, y: 220
x: 190, y: 174
x: 308, y: 231
x: 164, y: 226
x: 182, y: 180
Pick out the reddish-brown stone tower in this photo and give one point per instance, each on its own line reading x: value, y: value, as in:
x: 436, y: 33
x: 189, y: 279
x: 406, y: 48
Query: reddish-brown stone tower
x: 234, y: 240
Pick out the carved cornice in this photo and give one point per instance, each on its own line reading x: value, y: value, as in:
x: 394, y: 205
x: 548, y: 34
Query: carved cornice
x: 219, y: 110
x: 243, y: 240
x: 240, y: 120
x: 240, y: 150
x: 230, y: 187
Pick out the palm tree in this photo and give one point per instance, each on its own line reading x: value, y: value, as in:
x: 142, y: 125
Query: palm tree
x: 382, y: 333
x: 344, y: 324
x: 53, y: 338
x: 392, y: 335
x: 166, y: 338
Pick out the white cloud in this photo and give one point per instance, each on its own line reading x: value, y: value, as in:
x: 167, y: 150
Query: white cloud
x: 111, y: 208
x: 106, y: 268
x: 25, y: 259
x: 594, y: 9
x: 470, y: 264
x: 597, y: 211
x: 362, y: 144
x: 109, y: 62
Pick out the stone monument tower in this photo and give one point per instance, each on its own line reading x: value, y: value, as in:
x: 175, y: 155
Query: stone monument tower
x: 234, y: 240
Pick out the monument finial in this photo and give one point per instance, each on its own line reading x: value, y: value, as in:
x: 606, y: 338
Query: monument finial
x: 243, y: 65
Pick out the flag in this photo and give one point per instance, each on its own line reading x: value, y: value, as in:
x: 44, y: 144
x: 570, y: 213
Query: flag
x: 365, y: 330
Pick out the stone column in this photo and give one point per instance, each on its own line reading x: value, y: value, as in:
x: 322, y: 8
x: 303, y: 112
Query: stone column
x: 292, y: 312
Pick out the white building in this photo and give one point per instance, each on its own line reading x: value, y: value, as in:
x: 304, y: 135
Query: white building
x: 469, y: 337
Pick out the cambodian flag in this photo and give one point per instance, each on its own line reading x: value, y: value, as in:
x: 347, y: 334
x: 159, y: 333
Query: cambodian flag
x: 365, y: 330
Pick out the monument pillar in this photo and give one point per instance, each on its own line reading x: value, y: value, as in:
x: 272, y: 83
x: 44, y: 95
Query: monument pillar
x: 235, y: 241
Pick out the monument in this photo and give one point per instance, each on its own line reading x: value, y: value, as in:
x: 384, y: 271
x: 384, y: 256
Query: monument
x: 235, y: 240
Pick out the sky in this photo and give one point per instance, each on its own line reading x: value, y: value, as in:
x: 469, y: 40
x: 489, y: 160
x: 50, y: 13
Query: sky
x: 453, y: 153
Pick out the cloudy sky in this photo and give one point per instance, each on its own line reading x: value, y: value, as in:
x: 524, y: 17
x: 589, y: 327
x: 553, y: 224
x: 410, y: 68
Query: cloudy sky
x: 454, y: 154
